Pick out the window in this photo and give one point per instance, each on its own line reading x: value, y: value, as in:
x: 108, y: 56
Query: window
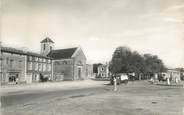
x: 11, y: 63
x: 36, y: 58
x: 44, y: 67
x: 48, y: 60
x: 36, y: 66
x: 102, y: 74
x: 7, y: 60
x: 44, y: 46
x: 40, y: 59
x: 20, y: 64
x: 48, y: 67
x: 40, y: 67
x: 30, y: 65
x: 30, y: 58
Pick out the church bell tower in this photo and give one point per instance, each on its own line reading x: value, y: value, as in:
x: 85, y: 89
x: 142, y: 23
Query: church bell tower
x: 46, y: 46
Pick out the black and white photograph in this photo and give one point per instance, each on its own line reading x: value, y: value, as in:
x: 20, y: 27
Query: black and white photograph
x: 92, y: 57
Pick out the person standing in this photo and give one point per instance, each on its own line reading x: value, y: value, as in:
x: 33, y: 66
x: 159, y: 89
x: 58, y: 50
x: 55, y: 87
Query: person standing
x: 16, y: 80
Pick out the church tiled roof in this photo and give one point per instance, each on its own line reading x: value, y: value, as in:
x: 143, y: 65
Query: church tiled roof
x: 62, y: 53
x: 47, y: 39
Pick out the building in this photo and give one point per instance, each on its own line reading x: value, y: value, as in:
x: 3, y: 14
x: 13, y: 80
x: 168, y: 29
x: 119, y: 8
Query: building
x: 26, y: 67
x: 68, y: 64
x: 38, y: 67
x: 13, y: 65
x: 174, y: 74
x: 18, y: 66
x: 103, y: 71
x: 89, y: 71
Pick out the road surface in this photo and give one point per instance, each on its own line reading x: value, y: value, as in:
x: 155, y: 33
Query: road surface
x: 17, y: 98
x: 135, y: 98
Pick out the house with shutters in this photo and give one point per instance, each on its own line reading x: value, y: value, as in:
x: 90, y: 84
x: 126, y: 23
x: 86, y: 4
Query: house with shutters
x: 103, y: 71
x: 68, y: 64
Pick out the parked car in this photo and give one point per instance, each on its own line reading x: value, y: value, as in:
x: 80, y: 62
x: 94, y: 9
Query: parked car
x: 124, y: 78
x: 120, y: 78
x: 162, y: 77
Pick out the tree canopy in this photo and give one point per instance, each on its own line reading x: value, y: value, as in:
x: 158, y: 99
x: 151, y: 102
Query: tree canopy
x: 126, y: 61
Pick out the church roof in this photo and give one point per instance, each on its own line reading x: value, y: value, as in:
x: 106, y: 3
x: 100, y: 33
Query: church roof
x: 47, y: 39
x: 62, y: 53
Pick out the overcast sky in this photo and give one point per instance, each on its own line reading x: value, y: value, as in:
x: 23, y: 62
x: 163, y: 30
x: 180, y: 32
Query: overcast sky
x: 98, y: 26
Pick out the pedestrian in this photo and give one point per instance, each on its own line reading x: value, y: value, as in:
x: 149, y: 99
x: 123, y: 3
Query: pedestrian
x: 16, y: 80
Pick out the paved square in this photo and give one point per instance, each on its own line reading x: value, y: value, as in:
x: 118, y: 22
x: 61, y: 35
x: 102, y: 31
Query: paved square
x: 138, y: 98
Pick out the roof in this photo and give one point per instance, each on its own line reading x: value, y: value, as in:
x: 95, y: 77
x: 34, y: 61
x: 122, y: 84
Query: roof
x: 62, y: 53
x: 21, y: 52
x: 37, y: 55
x: 12, y: 50
x: 47, y: 39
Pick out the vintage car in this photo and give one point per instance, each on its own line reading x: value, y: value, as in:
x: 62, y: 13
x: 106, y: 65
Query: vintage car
x: 120, y: 78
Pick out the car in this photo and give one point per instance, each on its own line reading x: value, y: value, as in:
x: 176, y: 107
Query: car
x: 124, y: 78
x: 120, y: 78
x: 162, y: 77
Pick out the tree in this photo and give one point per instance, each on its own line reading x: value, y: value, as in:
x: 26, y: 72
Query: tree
x: 119, y: 62
x: 153, y: 64
x: 126, y: 61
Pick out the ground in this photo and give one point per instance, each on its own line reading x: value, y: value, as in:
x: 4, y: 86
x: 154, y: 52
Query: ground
x: 94, y: 98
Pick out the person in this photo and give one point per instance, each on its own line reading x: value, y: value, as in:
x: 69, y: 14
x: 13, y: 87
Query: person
x: 16, y: 80
x: 152, y: 80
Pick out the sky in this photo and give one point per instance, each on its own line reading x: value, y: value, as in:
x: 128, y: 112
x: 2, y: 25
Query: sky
x: 97, y: 26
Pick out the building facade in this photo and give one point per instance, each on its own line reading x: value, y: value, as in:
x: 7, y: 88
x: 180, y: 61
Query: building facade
x: 68, y: 64
x: 103, y: 71
x: 13, y: 64
x: 18, y: 66
x: 174, y: 74
x: 23, y: 67
x: 38, y: 67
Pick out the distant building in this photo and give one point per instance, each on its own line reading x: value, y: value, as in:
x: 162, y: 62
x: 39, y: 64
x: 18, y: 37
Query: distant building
x: 174, y: 74
x: 103, y: 71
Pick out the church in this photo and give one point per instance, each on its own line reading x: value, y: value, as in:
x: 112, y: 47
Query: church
x: 19, y: 66
x: 68, y: 64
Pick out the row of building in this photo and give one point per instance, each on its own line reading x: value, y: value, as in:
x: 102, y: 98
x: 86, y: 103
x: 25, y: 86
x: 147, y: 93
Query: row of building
x: 50, y: 64
x: 173, y: 74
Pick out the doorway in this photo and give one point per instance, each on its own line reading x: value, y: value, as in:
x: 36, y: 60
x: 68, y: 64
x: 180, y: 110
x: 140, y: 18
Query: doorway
x: 12, y: 77
x: 79, y: 73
